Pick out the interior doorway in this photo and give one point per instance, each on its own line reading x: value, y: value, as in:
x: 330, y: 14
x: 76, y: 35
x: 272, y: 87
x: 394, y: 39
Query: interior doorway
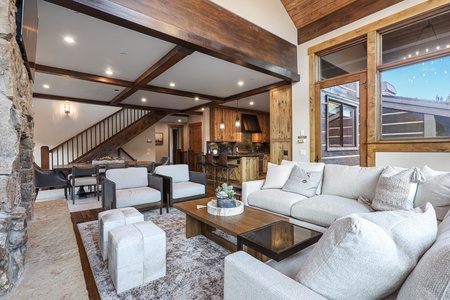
x: 341, y: 131
x: 176, y: 142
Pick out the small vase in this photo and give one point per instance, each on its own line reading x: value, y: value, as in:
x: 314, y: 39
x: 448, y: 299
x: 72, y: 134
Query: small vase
x: 226, y: 203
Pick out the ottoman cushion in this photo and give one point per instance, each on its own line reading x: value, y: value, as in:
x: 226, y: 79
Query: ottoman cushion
x: 111, y: 219
x: 136, y: 255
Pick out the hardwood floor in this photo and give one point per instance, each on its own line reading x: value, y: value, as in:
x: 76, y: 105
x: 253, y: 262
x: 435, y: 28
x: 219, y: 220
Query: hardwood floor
x: 92, y: 215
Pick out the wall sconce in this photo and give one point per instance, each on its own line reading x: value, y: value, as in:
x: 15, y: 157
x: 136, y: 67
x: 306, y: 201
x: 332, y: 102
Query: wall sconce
x: 67, y: 108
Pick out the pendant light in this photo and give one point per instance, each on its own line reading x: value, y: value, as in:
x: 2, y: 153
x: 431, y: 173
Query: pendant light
x: 222, y: 123
x: 238, y: 121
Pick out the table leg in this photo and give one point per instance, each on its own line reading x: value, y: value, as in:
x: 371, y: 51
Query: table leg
x: 193, y: 227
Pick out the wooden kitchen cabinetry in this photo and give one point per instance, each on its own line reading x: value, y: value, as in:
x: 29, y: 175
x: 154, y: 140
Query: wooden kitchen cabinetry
x: 230, y: 133
x: 264, y: 123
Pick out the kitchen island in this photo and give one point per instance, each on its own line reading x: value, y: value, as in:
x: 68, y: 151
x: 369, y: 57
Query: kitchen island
x: 248, y: 166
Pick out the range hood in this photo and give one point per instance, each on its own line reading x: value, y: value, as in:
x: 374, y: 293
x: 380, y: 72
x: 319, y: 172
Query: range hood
x: 250, y: 123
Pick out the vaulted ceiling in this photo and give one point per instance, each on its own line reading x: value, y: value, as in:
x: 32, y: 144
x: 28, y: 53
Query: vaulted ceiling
x: 313, y: 18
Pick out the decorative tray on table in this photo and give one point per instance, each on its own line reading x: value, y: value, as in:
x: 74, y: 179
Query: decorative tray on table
x: 224, y: 212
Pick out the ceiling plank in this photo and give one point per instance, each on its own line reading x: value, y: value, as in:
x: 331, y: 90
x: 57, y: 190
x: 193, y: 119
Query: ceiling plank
x: 82, y: 76
x: 342, y: 17
x: 170, y: 59
x: 162, y: 90
x: 200, y: 25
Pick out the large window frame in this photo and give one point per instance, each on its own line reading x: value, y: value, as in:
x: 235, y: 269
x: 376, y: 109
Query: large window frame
x: 371, y: 32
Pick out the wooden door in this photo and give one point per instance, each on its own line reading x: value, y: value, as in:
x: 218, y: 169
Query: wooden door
x: 195, y: 141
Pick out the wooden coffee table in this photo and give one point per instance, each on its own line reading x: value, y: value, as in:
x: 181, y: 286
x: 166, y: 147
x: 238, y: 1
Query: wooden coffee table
x: 199, y: 221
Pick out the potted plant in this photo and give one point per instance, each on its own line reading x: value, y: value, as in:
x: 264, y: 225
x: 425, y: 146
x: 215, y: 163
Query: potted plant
x: 214, y: 149
x: 225, y: 196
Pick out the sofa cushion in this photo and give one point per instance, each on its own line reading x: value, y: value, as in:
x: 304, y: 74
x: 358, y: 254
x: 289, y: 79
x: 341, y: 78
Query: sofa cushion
x: 302, y: 182
x: 136, y: 196
x: 179, y: 173
x: 350, y: 181
x: 368, y: 256
x: 323, y: 210
x: 430, y: 278
x: 274, y: 200
x: 187, y: 189
x: 128, y: 178
x: 396, y: 189
x: 277, y: 175
x: 436, y: 190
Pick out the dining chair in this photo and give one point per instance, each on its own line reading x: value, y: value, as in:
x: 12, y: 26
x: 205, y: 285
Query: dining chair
x: 49, y: 179
x: 84, y: 176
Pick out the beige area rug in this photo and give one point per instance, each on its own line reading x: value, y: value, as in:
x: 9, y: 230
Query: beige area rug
x: 80, y: 203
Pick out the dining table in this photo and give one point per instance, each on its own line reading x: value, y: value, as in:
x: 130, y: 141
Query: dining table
x: 68, y: 167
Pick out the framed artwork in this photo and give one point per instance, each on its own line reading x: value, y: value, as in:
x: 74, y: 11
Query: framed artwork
x: 159, y: 138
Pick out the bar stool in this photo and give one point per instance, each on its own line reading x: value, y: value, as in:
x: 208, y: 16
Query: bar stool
x: 199, y: 162
x: 225, y: 166
x: 210, y: 165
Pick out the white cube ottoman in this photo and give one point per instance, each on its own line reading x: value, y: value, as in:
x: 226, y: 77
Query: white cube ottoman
x: 136, y: 254
x: 111, y: 219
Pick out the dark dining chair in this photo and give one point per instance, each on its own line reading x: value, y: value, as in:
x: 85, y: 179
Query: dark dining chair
x: 44, y: 179
x: 84, y: 176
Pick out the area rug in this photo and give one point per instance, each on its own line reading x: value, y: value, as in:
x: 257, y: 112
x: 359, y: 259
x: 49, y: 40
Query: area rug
x: 194, y: 266
x: 80, y: 203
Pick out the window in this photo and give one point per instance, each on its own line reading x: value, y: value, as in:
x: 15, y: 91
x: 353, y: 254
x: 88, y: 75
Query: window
x: 415, y: 80
x: 341, y: 120
x: 345, y: 61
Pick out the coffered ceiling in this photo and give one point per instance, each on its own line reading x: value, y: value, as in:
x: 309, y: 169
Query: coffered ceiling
x: 148, y: 69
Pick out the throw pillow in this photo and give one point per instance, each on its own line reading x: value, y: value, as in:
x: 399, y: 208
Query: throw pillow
x: 435, y: 190
x: 396, y: 189
x: 277, y: 175
x: 430, y: 278
x: 369, y: 255
x: 288, y: 162
x: 302, y: 182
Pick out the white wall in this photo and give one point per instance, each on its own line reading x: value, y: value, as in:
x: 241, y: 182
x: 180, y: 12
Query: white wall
x: 300, y: 91
x: 140, y: 149
x: 436, y: 161
x: 267, y: 14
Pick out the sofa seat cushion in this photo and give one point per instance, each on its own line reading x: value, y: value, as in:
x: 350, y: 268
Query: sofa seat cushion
x: 350, y: 181
x: 430, y: 278
x: 187, y: 189
x: 323, y: 210
x: 179, y: 173
x: 128, y: 178
x: 368, y: 256
x: 136, y: 196
x: 274, y: 200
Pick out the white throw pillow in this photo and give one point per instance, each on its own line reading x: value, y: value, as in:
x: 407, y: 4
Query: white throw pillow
x: 435, y: 190
x: 288, y: 162
x: 302, y: 182
x: 369, y: 255
x: 277, y: 175
x: 396, y: 188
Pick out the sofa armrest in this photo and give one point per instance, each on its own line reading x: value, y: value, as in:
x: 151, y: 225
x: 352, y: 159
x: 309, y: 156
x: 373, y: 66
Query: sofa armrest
x: 197, y: 177
x: 156, y: 182
x: 249, y: 187
x: 248, y: 278
x: 108, y: 194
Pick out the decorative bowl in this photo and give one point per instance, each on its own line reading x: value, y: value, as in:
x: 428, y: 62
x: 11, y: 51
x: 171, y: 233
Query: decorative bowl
x: 225, y: 212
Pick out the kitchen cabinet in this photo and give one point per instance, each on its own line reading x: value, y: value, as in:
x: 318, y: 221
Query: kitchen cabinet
x: 230, y: 133
x: 264, y: 123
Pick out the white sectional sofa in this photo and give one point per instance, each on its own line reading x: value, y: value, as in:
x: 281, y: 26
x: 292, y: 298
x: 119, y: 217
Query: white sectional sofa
x: 342, y: 190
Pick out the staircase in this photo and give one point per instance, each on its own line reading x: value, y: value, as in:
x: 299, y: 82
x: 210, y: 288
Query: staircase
x: 104, y: 137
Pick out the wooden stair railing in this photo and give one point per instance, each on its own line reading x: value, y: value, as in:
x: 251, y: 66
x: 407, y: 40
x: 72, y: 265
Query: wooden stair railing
x: 73, y: 149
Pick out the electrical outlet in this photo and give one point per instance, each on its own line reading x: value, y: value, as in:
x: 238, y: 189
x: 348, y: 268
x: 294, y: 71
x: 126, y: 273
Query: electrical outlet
x: 285, y: 152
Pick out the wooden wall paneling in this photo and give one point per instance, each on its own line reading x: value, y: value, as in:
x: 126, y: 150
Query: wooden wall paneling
x: 264, y: 136
x: 314, y: 106
x: 372, y: 79
x: 281, y: 121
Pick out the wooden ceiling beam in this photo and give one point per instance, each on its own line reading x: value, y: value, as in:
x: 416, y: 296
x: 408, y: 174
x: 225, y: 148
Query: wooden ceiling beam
x: 341, y: 17
x: 170, y: 59
x: 200, y: 25
x: 162, y: 90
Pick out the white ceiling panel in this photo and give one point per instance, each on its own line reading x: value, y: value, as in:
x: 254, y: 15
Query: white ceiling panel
x: 162, y: 100
x: 63, y: 86
x: 261, y: 102
x: 200, y: 73
x: 99, y: 45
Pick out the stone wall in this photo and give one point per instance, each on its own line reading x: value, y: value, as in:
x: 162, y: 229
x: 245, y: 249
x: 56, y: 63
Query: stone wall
x: 16, y: 152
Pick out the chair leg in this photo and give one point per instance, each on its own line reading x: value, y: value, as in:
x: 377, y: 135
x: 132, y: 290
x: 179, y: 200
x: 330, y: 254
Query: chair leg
x: 167, y: 203
x: 73, y: 194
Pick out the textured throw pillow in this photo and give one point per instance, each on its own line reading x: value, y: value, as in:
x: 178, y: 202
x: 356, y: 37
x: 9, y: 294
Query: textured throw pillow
x: 435, y: 190
x: 302, y: 182
x: 430, y: 278
x: 396, y: 189
x: 277, y: 175
x: 368, y: 256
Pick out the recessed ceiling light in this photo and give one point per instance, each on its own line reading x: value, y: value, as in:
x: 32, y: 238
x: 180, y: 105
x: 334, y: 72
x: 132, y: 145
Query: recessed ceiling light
x: 203, y: 108
x: 109, y: 72
x: 69, y: 39
x: 251, y: 102
x: 241, y: 83
x: 179, y: 120
x: 46, y: 86
x: 172, y: 84
x: 197, y: 98
x: 143, y: 99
